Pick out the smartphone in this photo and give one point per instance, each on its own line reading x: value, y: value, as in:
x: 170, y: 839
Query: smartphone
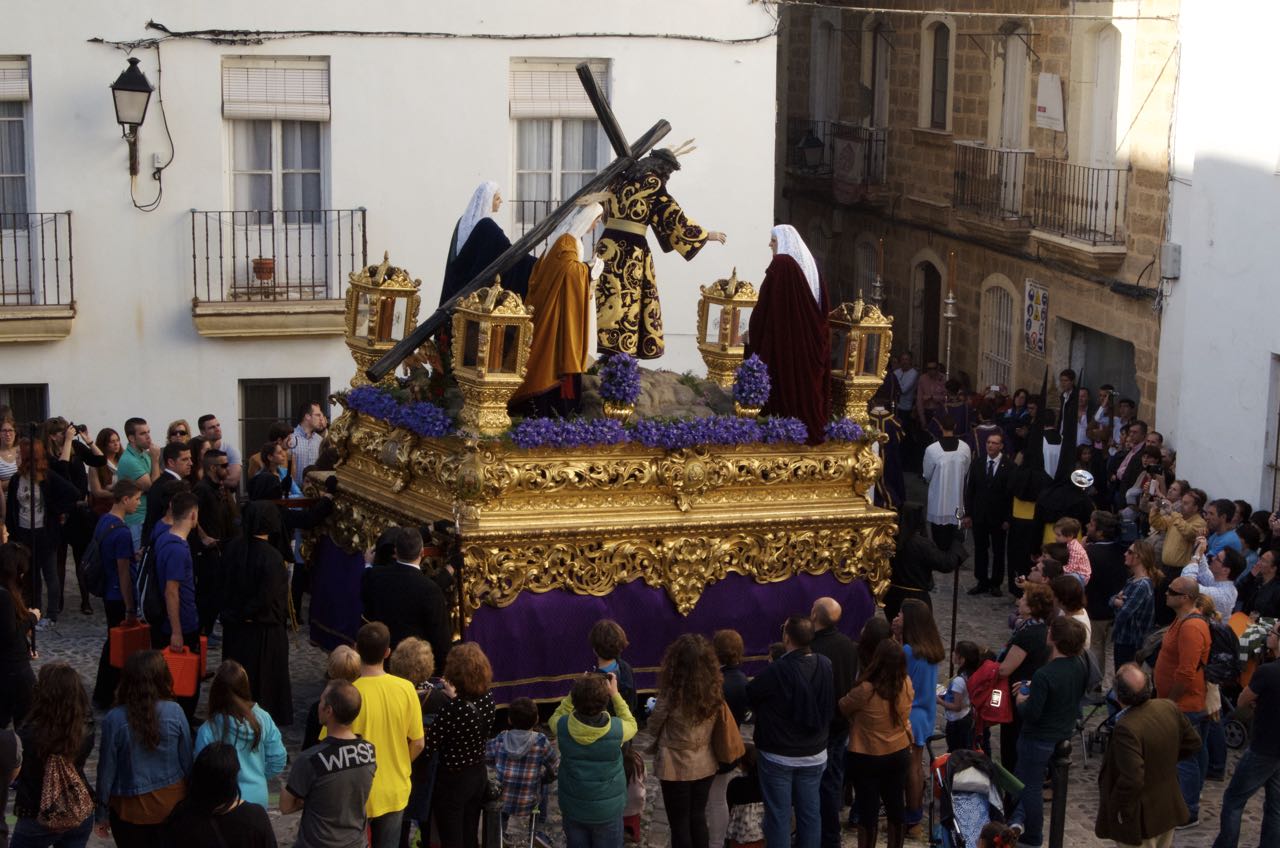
x: 1151, y: 487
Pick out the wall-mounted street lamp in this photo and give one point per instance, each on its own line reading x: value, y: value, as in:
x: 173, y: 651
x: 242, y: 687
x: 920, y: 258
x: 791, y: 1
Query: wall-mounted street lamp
x: 131, y: 93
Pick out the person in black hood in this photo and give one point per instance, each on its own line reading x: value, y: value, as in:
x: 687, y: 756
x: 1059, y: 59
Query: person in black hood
x: 1028, y: 481
x: 793, y: 699
x: 255, y: 611
x: 915, y: 560
x: 266, y: 485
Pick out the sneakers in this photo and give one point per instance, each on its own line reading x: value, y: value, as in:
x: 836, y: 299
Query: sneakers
x: 1195, y: 822
x: 46, y: 623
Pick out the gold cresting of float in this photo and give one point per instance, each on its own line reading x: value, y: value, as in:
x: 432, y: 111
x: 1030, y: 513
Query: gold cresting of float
x: 861, y: 339
x: 381, y: 308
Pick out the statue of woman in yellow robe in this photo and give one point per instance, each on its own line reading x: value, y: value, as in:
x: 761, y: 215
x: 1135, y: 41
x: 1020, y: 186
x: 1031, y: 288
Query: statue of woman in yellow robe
x: 559, y: 293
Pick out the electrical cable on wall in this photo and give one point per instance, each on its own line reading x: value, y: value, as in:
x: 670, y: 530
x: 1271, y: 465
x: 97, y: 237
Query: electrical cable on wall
x: 245, y: 37
x: 157, y: 173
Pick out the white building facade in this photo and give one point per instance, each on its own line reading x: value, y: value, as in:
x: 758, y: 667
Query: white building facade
x: 1219, y: 370
x: 317, y: 151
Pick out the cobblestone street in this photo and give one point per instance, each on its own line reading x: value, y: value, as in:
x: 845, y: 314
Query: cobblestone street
x: 78, y: 639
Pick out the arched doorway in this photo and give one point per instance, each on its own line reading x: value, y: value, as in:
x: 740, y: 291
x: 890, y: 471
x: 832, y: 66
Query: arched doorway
x: 927, y: 315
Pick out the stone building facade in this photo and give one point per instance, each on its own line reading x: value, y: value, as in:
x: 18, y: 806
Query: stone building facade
x: 1013, y: 154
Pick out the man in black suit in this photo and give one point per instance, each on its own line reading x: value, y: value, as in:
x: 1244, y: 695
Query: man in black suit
x: 176, y: 458
x: 407, y: 601
x: 989, y: 508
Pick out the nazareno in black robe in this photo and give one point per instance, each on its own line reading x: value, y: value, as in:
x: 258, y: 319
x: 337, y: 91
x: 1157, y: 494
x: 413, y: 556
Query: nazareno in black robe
x: 255, y: 614
x: 486, y: 243
x: 789, y: 332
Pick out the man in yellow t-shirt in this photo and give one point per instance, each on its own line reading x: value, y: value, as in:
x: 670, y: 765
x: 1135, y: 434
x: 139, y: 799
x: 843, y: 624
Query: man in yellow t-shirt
x: 391, y: 718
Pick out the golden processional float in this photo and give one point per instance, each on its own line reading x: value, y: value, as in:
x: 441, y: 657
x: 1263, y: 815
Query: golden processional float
x: 551, y: 539
x: 667, y: 527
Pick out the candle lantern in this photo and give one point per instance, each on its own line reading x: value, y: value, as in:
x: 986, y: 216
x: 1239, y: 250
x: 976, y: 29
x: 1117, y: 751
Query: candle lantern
x: 492, y: 331
x: 724, y: 313
x: 861, y: 338
x: 381, y: 309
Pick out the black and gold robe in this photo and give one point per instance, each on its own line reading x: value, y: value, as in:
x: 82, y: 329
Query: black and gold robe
x: 628, y: 312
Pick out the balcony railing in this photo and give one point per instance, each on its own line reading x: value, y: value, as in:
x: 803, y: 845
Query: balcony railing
x: 1080, y: 202
x: 859, y: 154
x: 810, y: 148
x: 526, y: 214
x: 991, y: 181
x: 275, y: 255
x: 36, y: 266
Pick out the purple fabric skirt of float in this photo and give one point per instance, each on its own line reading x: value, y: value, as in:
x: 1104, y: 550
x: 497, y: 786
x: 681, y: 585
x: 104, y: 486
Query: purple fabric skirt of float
x: 538, y: 644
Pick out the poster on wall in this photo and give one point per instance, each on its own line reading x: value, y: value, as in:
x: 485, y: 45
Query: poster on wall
x: 1036, y: 316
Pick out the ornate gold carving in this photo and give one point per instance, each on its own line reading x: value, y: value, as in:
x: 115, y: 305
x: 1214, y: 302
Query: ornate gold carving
x: 620, y: 411
x: 372, y: 323
x: 589, y: 520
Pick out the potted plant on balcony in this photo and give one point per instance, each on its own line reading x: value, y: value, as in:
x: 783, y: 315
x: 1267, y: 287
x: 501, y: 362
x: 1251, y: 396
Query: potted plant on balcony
x: 264, y: 269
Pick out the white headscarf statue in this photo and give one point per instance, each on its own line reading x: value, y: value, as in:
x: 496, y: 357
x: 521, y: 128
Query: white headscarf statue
x: 790, y: 244
x: 481, y: 206
x: 578, y: 225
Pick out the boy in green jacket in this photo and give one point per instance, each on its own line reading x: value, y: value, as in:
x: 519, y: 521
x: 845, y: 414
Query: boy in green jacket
x: 593, y: 787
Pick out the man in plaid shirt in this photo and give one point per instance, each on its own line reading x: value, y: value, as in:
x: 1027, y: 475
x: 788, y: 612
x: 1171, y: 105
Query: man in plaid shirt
x: 524, y: 759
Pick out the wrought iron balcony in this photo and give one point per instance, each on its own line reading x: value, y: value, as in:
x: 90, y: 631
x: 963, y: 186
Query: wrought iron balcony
x: 1080, y: 202
x: 990, y: 182
x: 36, y: 267
x: 275, y: 255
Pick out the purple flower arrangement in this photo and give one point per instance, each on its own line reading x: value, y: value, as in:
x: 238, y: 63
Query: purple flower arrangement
x: 567, y: 433
x: 419, y: 417
x: 751, y: 382
x: 844, y: 430
x: 620, y: 379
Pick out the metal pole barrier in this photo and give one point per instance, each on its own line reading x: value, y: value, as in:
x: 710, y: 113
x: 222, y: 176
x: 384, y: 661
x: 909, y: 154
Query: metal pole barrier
x: 955, y: 596
x: 1059, y: 767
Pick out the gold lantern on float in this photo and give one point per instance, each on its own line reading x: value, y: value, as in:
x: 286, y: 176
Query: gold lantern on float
x: 724, y: 313
x: 861, y: 338
x: 492, y: 331
x: 381, y: 309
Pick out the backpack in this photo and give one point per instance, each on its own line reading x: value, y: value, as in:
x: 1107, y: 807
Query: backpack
x: 65, y: 801
x: 989, y: 695
x: 1223, y: 666
x: 95, y: 573
x: 150, y: 595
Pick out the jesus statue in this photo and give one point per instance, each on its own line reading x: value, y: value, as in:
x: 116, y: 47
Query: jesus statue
x: 628, y: 312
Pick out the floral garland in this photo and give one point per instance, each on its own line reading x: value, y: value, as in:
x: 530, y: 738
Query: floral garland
x: 751, y: 382
x: 620, y: 379
x: 418, y: 417
x: 668, y: 434
x: 844, y: 430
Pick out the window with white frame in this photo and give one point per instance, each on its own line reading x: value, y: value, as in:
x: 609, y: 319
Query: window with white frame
x: 15, y: 98
x: 937, y: 61
x: 559, y: 145
x: 997, y: 335
x: 277, y: 112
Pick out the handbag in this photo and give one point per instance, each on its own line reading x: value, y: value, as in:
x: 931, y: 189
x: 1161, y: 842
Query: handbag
x: 65, y: 800
x: 726, y: 740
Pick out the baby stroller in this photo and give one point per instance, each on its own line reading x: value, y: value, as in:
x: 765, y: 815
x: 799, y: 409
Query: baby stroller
x: 1095, y: 740
x: 967, y: 787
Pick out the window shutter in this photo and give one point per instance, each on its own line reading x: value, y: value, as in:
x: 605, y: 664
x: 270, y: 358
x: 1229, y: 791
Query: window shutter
x: 15, y: 79
x: 295, y: 89
x: 542, y: 88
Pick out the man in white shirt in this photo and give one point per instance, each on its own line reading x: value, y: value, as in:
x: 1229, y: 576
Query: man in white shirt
x: 907, y: 376
x: 1216, y: 575
x: 212, y: 432
x: 306, y: 439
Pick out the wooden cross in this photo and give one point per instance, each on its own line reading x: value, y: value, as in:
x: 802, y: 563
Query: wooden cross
x: 626, y: 156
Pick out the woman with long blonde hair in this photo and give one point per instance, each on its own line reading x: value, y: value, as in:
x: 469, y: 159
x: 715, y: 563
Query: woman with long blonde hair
x: 1135, y: 602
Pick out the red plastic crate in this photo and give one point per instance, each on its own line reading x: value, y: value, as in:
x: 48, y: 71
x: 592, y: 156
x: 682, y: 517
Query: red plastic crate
x: 127, y: 640
x: 184, y: 665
